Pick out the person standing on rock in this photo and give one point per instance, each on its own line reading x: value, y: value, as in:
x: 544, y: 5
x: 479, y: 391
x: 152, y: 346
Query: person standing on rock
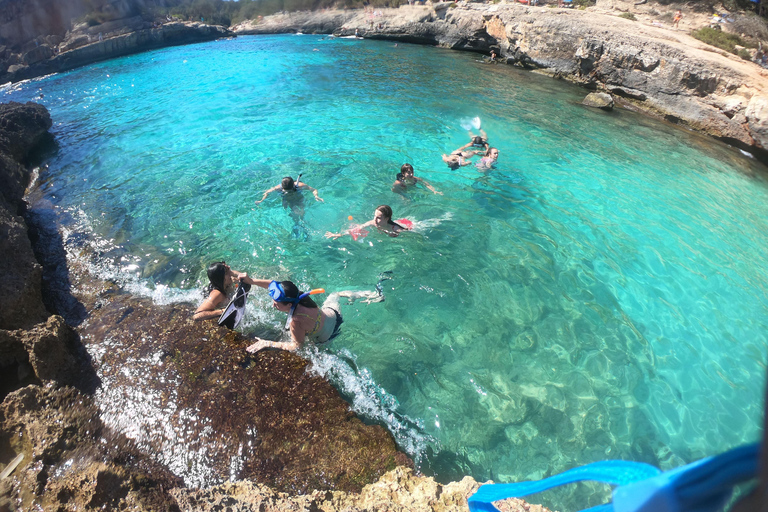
x: 677, y: 18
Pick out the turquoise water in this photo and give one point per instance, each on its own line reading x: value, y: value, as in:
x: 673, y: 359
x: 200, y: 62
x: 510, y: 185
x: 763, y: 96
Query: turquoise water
x: 601, y: 294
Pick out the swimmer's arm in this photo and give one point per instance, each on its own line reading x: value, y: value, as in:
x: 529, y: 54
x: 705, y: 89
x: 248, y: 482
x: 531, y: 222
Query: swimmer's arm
x: 261, y: 344
x: 207, y: 309
x: 273, y: 189
x: 328, y: 234
x: 398, y: 187
x: 314, y: 191
x: 430, y: 187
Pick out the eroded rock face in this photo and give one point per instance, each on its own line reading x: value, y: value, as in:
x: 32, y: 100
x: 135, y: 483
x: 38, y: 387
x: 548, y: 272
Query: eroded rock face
x: 70, y: 461
x: 398, y: 490
x: 22, y: 128
x: 125, y: 38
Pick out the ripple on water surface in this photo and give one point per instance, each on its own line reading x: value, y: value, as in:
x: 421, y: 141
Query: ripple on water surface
x: 600, y: 294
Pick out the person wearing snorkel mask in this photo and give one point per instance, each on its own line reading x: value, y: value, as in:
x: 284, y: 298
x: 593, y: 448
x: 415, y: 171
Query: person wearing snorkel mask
x: 307, y: 321
x: 292, y: 198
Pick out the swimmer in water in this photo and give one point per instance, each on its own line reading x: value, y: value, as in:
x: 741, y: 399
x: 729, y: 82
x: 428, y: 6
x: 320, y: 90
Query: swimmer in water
x: 382, y: 220
x: 293, y: 200
x: 489, y: 160
x: 405, y: 179
x: 221, y: 278
x: 307, y: 321
x: 461, y: 156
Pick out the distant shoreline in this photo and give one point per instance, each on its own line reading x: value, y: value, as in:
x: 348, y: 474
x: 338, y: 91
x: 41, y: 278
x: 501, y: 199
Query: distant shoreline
x: 659, y: 71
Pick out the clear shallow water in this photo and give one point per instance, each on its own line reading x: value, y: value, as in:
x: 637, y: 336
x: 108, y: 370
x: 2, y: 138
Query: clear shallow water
x: 601, y: 294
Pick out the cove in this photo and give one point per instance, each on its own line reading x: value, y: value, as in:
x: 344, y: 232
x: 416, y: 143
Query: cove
x: 600, y: 294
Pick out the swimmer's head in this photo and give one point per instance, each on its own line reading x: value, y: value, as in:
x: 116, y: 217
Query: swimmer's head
x: 406, y: 170
x: 217, y: 274
x: 288, y: 184
x: 493, y: 153
x: 382, y: 216
x: 291, y: 291
x: 477, y: 141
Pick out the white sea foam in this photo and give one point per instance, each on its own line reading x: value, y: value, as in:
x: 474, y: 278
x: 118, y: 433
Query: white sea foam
x: 369, y: 399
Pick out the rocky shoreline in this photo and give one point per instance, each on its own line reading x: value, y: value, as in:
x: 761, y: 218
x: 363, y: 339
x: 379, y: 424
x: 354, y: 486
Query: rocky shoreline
x: 305, y: 449
x: 652, y: 69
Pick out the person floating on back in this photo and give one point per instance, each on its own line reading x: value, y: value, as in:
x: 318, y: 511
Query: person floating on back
x: 405, y: 179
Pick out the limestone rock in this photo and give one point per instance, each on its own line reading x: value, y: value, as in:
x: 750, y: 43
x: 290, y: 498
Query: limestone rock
x: 398, y: 490
x: 600, y: 100
x: 70, y: 461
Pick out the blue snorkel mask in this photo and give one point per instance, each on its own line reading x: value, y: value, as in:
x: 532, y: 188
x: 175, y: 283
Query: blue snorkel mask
x: 277, y: 293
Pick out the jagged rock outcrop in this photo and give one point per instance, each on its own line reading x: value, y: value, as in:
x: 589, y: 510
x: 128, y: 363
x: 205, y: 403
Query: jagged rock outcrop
x: 667, y: 74
x: 22, y: 128
x: 421, y: 494
x: 70, y: 461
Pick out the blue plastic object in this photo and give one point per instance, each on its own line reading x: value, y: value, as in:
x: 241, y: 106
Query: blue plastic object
x: 702, y: 486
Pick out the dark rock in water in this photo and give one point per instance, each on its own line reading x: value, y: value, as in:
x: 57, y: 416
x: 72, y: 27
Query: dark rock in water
x: 22, y: 128
x: 599, y: 100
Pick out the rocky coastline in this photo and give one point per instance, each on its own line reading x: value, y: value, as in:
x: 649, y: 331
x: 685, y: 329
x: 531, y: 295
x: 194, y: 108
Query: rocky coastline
x: 658, y: 71
x: 306, y: 449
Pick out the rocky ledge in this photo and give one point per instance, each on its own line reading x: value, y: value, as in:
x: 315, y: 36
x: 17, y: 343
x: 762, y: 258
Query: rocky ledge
x: 654, y: 69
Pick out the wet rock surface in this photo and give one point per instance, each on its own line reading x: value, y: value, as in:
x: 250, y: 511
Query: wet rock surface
x: 231, y: 415
x: 70, y: 460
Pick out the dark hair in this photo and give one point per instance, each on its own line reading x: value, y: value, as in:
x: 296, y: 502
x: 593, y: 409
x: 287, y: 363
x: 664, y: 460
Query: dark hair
x: 477, y: 140
x: 387, y: 211
x: 291, y: 291
x: 406, y: 167
x: 216, y: 273
x: 288, y: 184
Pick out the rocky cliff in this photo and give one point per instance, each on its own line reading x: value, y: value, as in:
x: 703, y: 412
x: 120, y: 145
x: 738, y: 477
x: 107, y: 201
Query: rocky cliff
x: 657, y: 70
x: 85, y: 45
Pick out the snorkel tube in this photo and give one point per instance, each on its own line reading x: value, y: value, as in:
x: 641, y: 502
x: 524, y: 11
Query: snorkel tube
x: 296, y: 303
x: 277, y: 293
x: 296, y: 183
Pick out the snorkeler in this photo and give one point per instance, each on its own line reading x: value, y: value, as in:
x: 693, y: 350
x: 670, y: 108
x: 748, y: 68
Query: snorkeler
x: 220, y: 278
x: 489, y: 160
x: 288, y: 187
x: 479, y: 141
x: 405, y: 179
x: 382, y: 220
x: 307, y: 321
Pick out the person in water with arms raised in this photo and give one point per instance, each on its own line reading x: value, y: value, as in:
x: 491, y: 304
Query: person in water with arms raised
x: 307, y: 321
